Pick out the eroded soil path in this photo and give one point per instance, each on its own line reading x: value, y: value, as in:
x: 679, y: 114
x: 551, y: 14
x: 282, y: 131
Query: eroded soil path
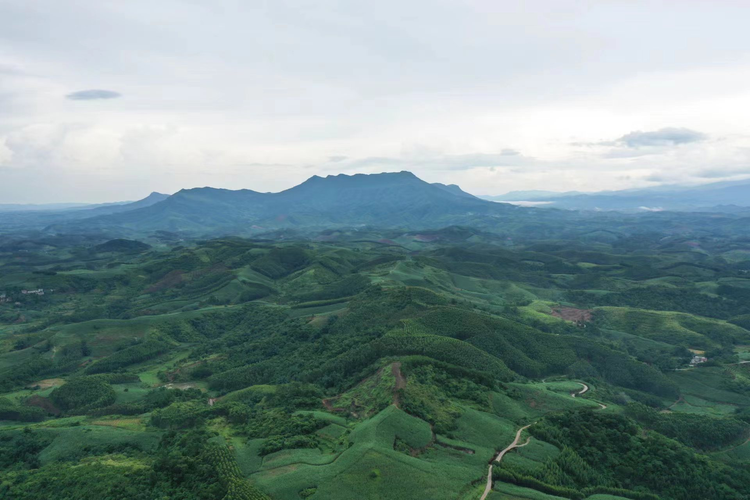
x: 400, y: 383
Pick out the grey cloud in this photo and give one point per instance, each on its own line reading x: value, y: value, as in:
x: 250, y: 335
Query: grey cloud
x: 337, y: 158
x: 657, y: 177
x: 722, y: 172
x: 668, y: 136
x: 92, y: 94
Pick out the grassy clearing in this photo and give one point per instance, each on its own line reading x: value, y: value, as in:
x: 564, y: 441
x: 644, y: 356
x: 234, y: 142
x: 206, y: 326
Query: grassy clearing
x: 504, y: 491
x: 743, y: 352
x: 74, y: 442
x: 371, y: 468
x: 699, y: 406
x: 129, y: 393
x: 484, y: 432
x: 539, y: 402
x: 674, y: 328
x: 246, y: 454
x: 310, y: 456
x: 131, y: 424
x: 538, y: 451
x: 332, y: 431
x: 147, y: 371
x: 707, y: 384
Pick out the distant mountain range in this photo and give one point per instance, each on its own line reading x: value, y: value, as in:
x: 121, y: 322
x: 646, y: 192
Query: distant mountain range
x: 35, y: 217
x: 720, y: 196
x: 399, y: 201
x: 119, y: 206
x: 385, y: 200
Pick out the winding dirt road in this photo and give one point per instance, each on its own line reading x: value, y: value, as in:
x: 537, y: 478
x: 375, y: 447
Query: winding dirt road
x: 514, y: 444
x: 585, y: 388
x: 500, y: 456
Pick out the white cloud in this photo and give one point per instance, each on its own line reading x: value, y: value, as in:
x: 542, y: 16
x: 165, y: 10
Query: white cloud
x: 667, y: 136
x: 493, y: 96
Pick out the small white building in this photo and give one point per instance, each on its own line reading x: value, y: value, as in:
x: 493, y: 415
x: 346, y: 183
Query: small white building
x: 698, y: 360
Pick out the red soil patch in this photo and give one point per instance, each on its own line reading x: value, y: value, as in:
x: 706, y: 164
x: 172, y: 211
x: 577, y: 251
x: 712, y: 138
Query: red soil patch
x: 43, y: 403
x: 171, y: 279
x: 328, y: 404
x: 572, y: 314
x: 400, y: 383
x: 176, y: 277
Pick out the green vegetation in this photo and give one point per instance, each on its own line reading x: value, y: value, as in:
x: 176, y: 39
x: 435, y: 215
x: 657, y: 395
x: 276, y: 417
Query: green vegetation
x: 373, y: 364
x: 82, y: 394
x: 608, y: 450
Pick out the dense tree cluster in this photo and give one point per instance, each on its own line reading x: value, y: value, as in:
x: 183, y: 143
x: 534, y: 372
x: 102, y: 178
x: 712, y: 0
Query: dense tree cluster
x: 613, y: 447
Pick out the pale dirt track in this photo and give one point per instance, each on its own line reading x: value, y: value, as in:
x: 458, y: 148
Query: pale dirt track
x: 585, y: 388
x: 514, y: 444
x: 500, y: 456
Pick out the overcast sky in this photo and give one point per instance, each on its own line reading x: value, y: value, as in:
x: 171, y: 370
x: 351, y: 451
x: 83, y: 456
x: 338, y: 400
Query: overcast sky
x: 109, y: 100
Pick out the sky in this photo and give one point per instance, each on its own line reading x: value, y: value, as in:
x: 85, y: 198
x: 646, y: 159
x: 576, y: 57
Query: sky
x: 109, y: 100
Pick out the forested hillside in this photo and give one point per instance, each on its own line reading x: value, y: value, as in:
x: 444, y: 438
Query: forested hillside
x: 387, y: 364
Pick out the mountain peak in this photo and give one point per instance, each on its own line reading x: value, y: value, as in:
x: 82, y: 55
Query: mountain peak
x: 363, y: 180
x: 390, y: 199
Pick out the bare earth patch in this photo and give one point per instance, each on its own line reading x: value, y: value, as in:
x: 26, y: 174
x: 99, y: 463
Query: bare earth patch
x: 123, y: 423
x: 400, y: 383
x: 43, y: 403
x: 49, y: 382
x: 572, y: 314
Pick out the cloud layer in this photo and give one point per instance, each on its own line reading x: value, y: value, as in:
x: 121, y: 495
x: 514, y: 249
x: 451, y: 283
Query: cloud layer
x: 493, y: 96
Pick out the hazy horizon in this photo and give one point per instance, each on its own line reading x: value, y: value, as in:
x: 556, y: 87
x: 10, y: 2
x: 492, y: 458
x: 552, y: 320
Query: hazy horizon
x: 83, y: 202
x: 103, y: 101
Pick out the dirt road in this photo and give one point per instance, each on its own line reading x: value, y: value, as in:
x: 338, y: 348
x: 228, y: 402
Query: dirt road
x: 500, y: 456
x: 400, y: 383
x: 514, y: 444
x: 585, y: 388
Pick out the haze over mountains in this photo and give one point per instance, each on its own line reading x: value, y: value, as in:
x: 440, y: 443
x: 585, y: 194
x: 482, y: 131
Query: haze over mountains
x: 390, y: 200
x: 720, y: 196
x: 385, y: 200
x: 118, y: 206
